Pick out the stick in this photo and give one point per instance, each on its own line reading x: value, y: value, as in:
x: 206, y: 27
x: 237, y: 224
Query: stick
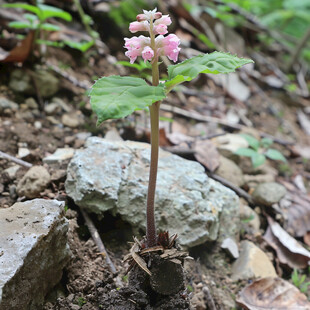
x: 209, y: 298
x: 197, y: 116
x: 239, y: 191
x: 15, y: 160
x: 96, y: 237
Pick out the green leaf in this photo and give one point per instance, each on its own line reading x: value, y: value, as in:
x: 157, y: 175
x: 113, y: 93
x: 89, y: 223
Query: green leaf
x: 43, y: 11
x: 50, y: 43
x: 27, y: 7
x: 214, y: 63
x: 81, y: 46
x: 32, y: 18
x: 47, y: 11
x: 266, y: 142
x: 20, y: 25
x: 257, y: 160
x: 119, y: 96
x: 245, y: 152
x: 50, y: 27
x: 275, y: 155
x: 253, y: 143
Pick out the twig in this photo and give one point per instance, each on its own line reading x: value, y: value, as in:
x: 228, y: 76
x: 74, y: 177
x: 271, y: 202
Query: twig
x: 15, y: 160
x: 209, y: 298
x: 276, y: 140
x: 197, y: 116
x: 298, y: 49
x: 235, y: 188
x: 96, y: 237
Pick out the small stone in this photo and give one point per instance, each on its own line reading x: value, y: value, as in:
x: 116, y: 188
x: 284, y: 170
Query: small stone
x: 33, y: 182
x: 61, y: 103
x: 71, y: 120
x: 7, y: 105
x: 269, y: 193
x: 11, y: 171
x: 23, y: 152
x: 113, y: 135
x: 230, y: 171
x: 231, y: 247
x: 12, y: 190
x: 83, y: 135
x: 59, y: 156
x: 252, y: 263
x: 52, y: 108
x: 228, y: 144
x: 37, y: 124
x: 31, y: 103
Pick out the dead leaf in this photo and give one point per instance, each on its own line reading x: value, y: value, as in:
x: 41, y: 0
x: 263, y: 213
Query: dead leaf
x: 289, y: 251
x: 21, y: 52
x: 295, y: 209
x: 272, y: 294
x: 163, y: 140
x: 206, y: 153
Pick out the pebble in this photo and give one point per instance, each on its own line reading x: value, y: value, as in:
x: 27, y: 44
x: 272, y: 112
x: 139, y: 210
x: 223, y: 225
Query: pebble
x: 71, y: 120
x: 231, y: 247
x: 269, y: 193
x: 252, y: 263
x: 59, y: 156
x: 33, y: 182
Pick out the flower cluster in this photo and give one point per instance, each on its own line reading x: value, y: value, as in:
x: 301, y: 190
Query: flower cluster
x: 156, y: 24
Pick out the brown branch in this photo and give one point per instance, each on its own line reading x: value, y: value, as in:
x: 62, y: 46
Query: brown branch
x: 15, y: 160
x: 198, y: 117
x: 96, y: 237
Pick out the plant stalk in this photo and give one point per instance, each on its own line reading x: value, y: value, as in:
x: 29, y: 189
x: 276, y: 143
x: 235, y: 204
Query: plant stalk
x: 151, y: 233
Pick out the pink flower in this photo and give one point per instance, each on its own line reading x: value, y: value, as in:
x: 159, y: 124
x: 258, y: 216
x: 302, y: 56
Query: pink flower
x: 147, y: 53
x: 168, y: 46
x: 139, y: 26
x: 135, y: 46
x: 160, y: 29
x: 165, y: 19
x: 149, y: 15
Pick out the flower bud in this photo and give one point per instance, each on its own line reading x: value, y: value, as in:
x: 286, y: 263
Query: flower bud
x: 139, y: 26
x: 141, y: 17
x: 147, y: 53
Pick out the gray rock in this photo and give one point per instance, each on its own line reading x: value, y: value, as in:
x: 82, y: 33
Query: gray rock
x: 113, y: 176
x: 231, y: 247
x: 269, y: 193
x: 22, y: 82
x: 252, y: 263
x: 59, y: 156
x: 230, y: 171
x: 33, y: 182
x: 6, y: 104
x: 33, y: 252
x: 11, y: 171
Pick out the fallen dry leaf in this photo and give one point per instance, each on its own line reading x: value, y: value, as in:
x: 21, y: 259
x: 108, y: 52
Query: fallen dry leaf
x: 21, y: 52
x: 289, y: 251
x: 272, y: 294
x: 206, y: 153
